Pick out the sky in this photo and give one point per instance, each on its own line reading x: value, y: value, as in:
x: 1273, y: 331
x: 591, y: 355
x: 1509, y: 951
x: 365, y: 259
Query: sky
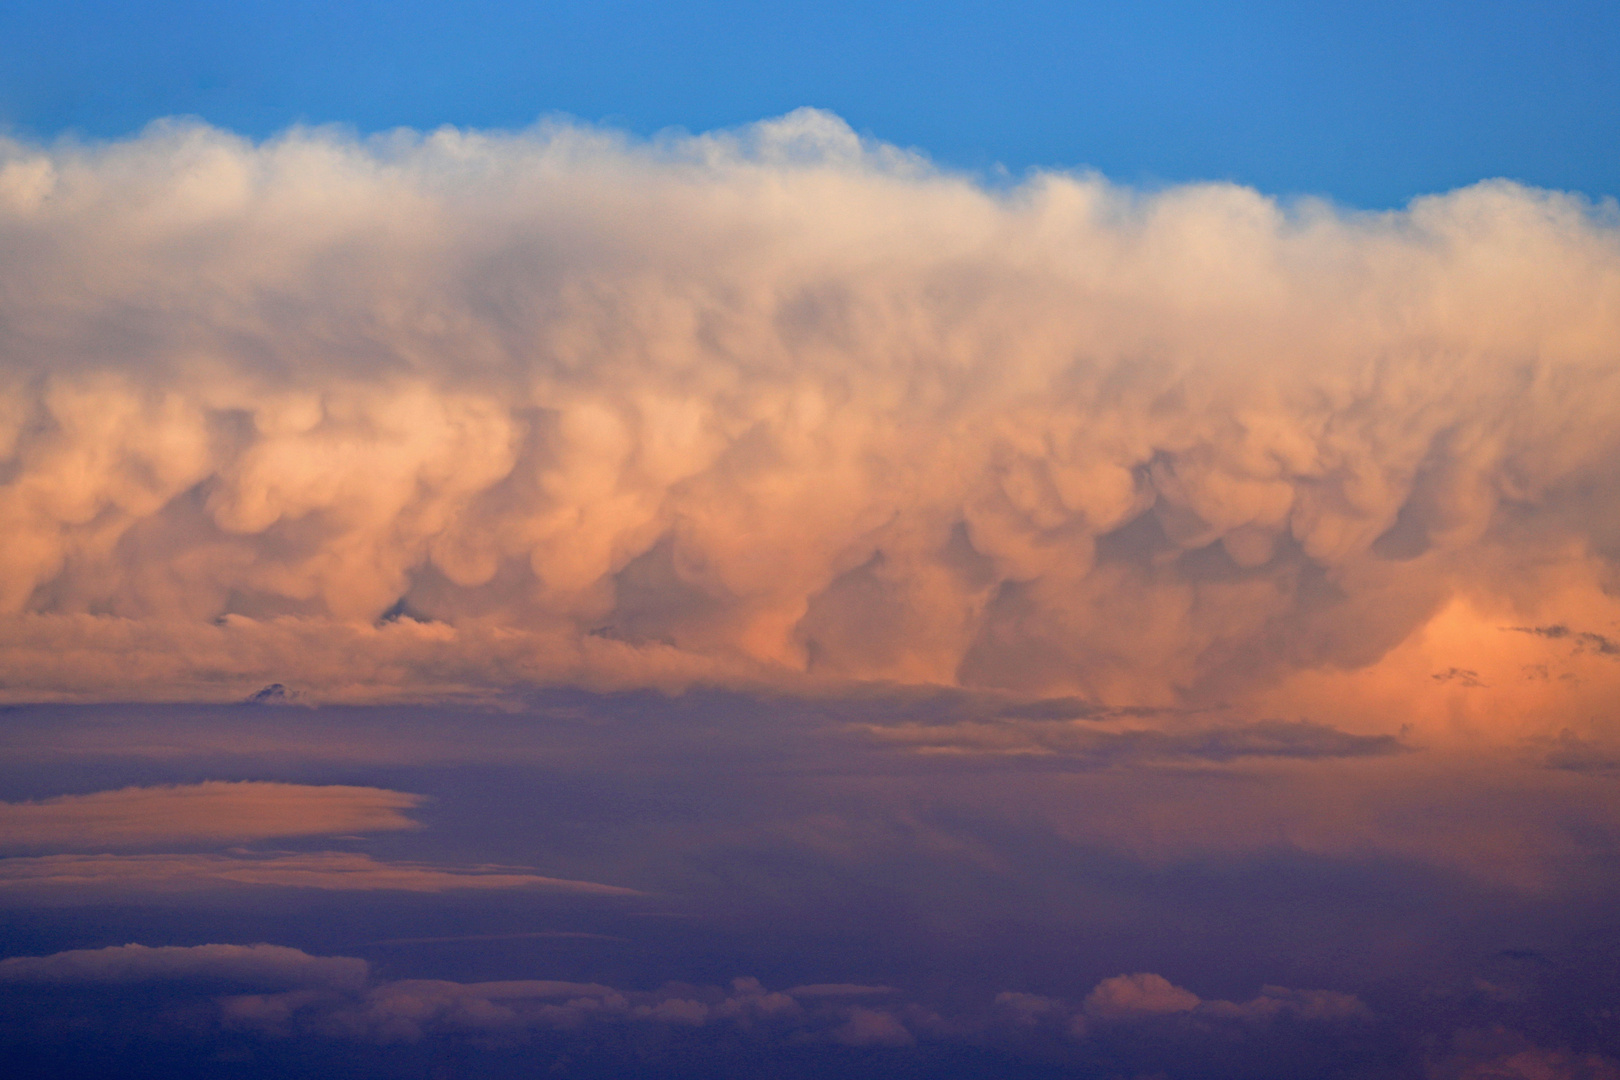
x: 726, y: 542
x: 1368, y: 104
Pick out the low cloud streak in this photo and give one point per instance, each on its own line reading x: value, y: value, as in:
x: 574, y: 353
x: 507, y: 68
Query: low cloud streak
x: 210, y: 812
x: 89, y: 878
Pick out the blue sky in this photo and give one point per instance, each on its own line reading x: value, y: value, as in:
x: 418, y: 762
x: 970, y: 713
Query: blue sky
x: 1368, y: 103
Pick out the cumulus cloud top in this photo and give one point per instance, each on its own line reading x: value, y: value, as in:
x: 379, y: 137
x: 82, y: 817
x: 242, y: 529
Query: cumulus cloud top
x: 431, y: 415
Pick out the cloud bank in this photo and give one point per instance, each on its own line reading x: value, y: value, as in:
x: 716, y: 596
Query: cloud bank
x: 337, y: 998
x: 425, y: 416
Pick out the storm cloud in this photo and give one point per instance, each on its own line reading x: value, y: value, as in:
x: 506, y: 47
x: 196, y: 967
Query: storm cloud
x: 433, y: 416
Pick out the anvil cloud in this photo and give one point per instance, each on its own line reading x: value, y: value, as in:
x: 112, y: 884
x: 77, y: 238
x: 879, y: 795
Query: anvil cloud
x: 415, y: 417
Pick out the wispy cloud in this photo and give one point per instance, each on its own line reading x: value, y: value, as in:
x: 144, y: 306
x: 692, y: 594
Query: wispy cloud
x: 210, y: 812
x: 1082, y: 742
x: 90, y: 877
x: 337, y: 998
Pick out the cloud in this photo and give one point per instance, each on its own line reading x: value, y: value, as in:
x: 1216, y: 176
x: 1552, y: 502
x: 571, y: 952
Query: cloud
x: 407, y: 1010
x: 335, y: 997
x: 1144, y: 995
x: 1086, y: 741
x: 1501, y: 1054
x: 838, y: 990
x: 213, y: 811
x: 431, y: 416
x: 262, y: 965
x: 1126, y: 996
x: 1583, y: 640
x: 872, y: 1027
x: 86, y: 876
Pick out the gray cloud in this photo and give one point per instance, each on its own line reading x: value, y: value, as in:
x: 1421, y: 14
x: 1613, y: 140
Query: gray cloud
x: 1083, y: 741
x: 335, y: 997
x: 273, y: 965
x: 83, y: 878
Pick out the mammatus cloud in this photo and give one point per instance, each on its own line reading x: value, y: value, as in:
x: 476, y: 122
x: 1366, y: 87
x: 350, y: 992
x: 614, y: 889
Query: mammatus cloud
x: 210, y: 812
x: 89, y: 877
x: 431, y: 415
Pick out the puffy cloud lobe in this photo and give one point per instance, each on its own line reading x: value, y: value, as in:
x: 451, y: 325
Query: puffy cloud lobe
x: 334, y: 997
x: 409, y: 1009
x: 1126, y: 998
x: 1092, y: 742
x: 214, y: 811
x: 1145, y: 997
x: 1137, y: 995
x: 839, y: 990
x: 430, y: 415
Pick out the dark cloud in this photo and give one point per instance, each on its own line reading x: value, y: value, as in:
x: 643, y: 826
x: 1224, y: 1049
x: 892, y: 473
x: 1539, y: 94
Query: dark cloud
x: 1583, y: 640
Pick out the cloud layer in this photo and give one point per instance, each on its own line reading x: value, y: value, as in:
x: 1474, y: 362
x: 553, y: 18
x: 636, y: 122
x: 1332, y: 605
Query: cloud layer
x: 92, y: 878
x: 427, y: 416
x: 209, y: 812
x: 258, y: 965
x: 337, y: 998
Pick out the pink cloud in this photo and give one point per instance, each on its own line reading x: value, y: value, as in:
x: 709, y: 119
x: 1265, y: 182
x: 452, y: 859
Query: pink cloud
x: 209, y: 812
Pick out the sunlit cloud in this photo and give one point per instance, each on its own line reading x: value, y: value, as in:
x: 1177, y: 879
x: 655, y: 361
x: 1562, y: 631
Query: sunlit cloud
x: 436, y: 416
x: 87, y: 878
x: 1031, y: 619
x: 210, y: 812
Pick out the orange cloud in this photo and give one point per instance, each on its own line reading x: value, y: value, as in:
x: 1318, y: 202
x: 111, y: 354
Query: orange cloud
x: 438, y: 415
x: 209, y: 812
x: 87, y: 877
